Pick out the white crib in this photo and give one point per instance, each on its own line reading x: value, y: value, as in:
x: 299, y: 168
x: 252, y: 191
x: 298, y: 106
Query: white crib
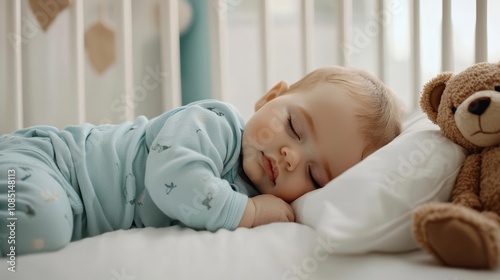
x: 45, y: 78
x: 405, y: 43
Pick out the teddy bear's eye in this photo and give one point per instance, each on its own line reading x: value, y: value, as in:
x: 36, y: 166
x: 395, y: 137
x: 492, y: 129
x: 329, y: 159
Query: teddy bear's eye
x: 453, y: 109
x: 497, y: 88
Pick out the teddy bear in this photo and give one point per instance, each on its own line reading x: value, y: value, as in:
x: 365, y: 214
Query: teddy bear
x: 465, y: 232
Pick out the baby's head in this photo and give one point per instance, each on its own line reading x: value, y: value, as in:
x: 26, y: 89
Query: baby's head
x: 304, y: 135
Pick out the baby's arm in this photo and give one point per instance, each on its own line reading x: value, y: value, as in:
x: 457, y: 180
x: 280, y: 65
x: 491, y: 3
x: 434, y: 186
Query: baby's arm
x: 187, y: 158
x: 264, y: 209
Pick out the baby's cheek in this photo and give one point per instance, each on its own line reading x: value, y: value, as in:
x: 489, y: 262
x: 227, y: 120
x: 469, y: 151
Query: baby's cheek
x: 251, y: 169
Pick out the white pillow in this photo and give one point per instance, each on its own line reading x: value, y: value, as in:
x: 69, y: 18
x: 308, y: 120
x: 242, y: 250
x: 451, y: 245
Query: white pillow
x: 369, y: 207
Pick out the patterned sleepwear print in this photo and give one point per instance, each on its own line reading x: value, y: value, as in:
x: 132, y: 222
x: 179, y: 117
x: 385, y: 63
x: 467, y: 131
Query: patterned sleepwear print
x: 180, y: 168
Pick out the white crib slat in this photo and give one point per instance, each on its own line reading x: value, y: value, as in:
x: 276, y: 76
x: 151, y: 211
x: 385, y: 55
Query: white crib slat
x: 124, y: 41
x: 219, y: 50
x: 267, y: 45
x: 447, y: 38
x: 307, y: 15
x: 12, y: 115
x: 78, y: 41
x: 381, y: 43
x: 18, y: 71
x: 481, y: 31
x: 13, y: 109
x: 416, y: 53
x: 170, y: 54
x: 345, y: 31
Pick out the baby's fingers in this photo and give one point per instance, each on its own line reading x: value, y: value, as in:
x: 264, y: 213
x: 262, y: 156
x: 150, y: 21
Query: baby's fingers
x: 290, y: 214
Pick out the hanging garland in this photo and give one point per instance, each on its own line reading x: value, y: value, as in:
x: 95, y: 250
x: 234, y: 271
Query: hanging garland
x: 100, y: 42
x: 46, y: 11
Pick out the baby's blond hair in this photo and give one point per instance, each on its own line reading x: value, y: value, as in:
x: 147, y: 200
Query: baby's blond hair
x: 380, y: 110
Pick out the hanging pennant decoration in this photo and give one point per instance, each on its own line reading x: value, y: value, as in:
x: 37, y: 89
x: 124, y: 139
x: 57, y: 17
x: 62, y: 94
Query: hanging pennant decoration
x: 46, y: 11
x: 100, y: 43
x: 100, y: 46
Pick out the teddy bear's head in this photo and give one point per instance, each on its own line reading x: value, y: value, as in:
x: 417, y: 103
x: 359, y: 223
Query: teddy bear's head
x: 466, y: 106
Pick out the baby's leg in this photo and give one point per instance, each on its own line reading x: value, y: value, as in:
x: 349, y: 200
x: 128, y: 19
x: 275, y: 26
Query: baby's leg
x: 33, y: 204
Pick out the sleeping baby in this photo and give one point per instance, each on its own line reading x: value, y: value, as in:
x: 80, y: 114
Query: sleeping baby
x: 196, y: 166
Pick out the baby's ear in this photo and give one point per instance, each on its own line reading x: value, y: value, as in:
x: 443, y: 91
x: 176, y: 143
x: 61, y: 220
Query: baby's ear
x: 279, y: 89
x: 431, y: 94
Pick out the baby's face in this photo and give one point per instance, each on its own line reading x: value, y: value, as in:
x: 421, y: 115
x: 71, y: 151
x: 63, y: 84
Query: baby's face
x: 299, y: 141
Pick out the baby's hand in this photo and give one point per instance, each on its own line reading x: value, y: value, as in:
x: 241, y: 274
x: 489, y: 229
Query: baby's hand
x: 264, y: 209
x: 270, y: 209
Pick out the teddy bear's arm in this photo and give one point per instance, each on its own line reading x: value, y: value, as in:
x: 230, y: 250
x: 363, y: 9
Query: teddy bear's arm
x: 466, y: 188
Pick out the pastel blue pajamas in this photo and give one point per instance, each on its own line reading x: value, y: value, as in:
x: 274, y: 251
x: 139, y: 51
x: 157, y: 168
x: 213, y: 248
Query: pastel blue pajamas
x: 180, y: 168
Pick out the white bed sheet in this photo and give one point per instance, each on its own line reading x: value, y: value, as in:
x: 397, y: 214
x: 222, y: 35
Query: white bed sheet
x: 275, y: 251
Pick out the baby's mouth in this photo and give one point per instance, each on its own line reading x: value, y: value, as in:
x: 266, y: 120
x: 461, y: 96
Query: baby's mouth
x: 269, y: 165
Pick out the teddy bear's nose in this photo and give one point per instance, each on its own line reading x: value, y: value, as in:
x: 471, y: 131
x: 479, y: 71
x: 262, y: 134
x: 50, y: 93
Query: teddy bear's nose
x: 478, y: 106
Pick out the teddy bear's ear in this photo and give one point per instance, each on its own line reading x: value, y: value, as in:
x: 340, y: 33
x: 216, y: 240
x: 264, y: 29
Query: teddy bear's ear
x: 431, y: 94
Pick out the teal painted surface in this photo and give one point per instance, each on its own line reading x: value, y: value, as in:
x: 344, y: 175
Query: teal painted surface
x: 195, y: 55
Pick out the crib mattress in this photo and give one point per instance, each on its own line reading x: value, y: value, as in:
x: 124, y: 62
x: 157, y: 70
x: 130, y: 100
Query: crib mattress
x: 275, y: 251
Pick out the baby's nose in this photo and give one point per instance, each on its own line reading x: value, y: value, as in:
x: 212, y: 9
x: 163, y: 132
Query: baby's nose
x: 291, y: 158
